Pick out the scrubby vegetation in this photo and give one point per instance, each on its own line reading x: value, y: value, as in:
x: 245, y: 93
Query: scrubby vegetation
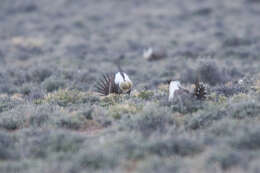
x: 53, y: 52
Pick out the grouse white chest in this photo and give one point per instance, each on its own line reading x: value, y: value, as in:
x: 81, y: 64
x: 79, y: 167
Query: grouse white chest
x: 123, y: 81
x: 174, y: 86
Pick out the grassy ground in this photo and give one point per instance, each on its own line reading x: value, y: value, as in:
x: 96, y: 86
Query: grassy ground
x: 52, y: 53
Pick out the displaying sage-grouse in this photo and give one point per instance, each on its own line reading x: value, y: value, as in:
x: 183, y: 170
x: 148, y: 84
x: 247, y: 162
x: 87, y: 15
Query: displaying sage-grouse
x: 176, y: 91
x: 118, y: 83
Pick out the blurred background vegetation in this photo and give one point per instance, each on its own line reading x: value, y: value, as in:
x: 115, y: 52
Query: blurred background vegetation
x: 53, y: 52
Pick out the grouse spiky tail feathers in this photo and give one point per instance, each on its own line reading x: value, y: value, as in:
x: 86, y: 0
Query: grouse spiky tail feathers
x: 199, y: 91
x: 106, y: 85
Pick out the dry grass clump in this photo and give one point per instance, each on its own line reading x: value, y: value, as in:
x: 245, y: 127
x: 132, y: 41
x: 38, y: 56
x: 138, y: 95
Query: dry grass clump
x: 122, y: 109
x: 65, y: 97
x: 146, y: 94
x: 110, y: 100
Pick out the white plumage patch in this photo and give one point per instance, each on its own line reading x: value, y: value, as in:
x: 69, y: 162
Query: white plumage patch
x: 174, y: 86
x: 148, y: 53
x: 119, y: 78
x: 124, y: 82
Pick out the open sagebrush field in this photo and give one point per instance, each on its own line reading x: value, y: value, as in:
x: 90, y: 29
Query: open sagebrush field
x: 52, y: 53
